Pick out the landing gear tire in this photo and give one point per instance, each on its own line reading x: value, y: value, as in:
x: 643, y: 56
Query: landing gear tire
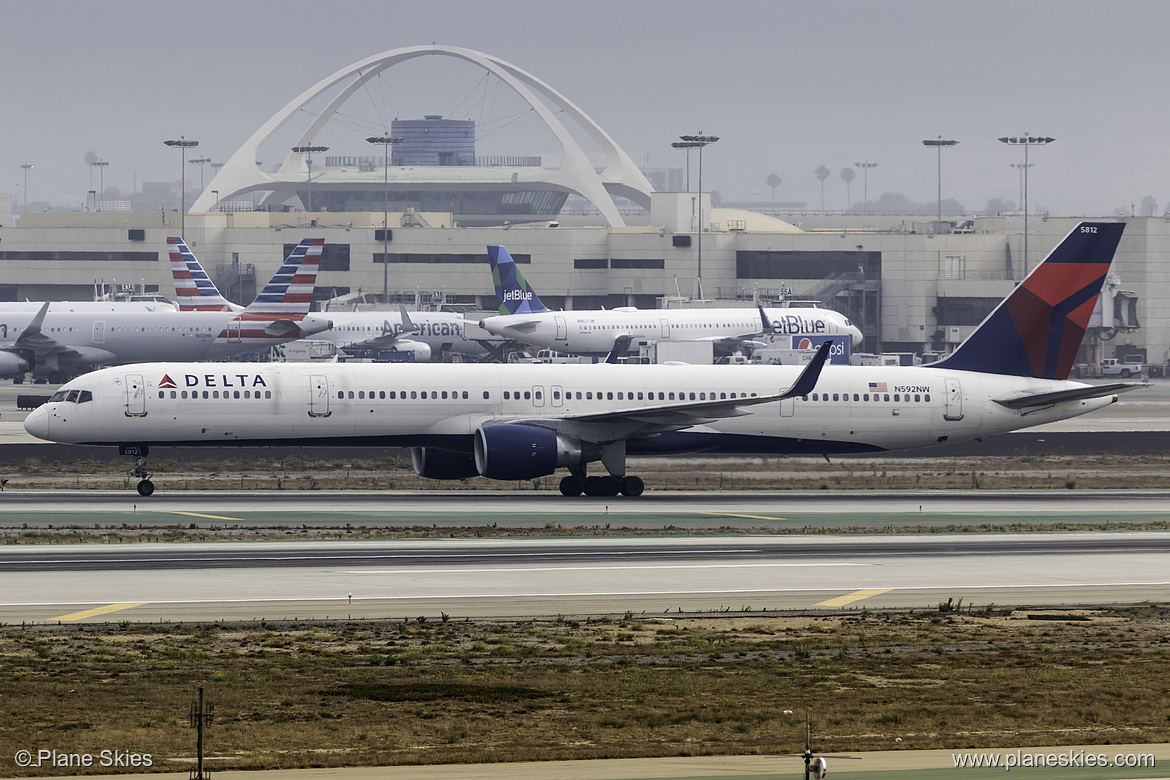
x: 145, y: 487
x: 572, y: 486
x: 632, y: 486
x: 602, y: 486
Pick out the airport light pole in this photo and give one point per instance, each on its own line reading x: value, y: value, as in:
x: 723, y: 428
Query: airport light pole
x: 939, y: 143
x: 1026, y: 140
x: 865, y: 166
x: 182, y: 144
x: 200, y: 161
x: 698, y: 142
x: 387, y: 142
x: 1021, y: 168
x: 26, y: 167
x: 308, y: 152
x: 101, y: 166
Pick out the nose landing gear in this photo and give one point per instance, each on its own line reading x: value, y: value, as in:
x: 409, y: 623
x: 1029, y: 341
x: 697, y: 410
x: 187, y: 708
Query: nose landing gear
x: 139, y: 453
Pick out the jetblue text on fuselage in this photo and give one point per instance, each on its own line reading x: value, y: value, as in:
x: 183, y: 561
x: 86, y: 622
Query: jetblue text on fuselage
x: 224, y: 380
x: 794, y: 323
x: 517, y: 295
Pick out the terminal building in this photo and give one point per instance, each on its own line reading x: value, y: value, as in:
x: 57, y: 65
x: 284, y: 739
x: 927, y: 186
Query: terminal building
x: 409, y: 219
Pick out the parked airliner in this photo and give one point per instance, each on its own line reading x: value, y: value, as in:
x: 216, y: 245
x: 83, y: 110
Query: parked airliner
x: 516, y: 422
x: 63, y: 342
x: 523, y: 317
x: 425, y: 336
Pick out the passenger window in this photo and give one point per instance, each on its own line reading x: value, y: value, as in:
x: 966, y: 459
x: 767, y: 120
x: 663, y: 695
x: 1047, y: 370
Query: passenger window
x: 215, y: 394
x: 486, y: 395
x: 527, y: 395
x: 351, y: 395
x: 444, y: 395
x: 174, y: 394
x: 927, y: 397
x: 589, y: 396
x: 897, y: 398
x: 507, y: 395
x: 267, y: 394
x: 835, y: 397
x: 381, y: 395
x: 855, y: 397
x: 340, y: 394
x: 466, y: 396
x: 609, y: 395
x: 917, y: 398
x: 887, y: 396
x: 414, y: 394
x: 161, y: 394
x: 865, y: 397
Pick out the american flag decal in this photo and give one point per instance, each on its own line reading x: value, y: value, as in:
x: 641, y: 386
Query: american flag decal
x: 878, y: 387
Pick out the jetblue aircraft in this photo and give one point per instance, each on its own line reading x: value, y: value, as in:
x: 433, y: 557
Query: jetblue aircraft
x: 517, y: 422
x: 424, y: 335
x: 524, y: 318
x: 66, y: 342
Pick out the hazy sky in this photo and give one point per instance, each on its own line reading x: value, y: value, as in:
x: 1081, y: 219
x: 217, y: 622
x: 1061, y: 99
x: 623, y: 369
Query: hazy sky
x: 787, y: 86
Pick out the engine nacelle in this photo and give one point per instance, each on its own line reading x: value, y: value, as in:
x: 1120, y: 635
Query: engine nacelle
x: 443, y: 464
x: 514, y: 451
x: 12, y: 364
x: 422, y: 350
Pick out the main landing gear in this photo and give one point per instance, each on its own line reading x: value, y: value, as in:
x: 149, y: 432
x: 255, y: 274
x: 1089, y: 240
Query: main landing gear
x: 139, y: 453
x: 575, y: 485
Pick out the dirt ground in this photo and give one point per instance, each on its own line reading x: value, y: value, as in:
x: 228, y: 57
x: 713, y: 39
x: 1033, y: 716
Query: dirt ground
x: 416, y: 691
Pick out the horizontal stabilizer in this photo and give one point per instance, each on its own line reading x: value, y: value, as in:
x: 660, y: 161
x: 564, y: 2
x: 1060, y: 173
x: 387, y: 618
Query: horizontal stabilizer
x: 1076, y: 394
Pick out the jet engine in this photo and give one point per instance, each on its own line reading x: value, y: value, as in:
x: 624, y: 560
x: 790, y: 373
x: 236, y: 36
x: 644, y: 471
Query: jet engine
x: 516, y: 451
x: 12, y: 364
x: 442, y: 464
x: 421, y: 350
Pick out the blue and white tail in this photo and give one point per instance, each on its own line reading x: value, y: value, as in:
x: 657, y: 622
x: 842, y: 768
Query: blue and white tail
x: 512, y: 289
x: 1037, y: 330
x: 194, y: 290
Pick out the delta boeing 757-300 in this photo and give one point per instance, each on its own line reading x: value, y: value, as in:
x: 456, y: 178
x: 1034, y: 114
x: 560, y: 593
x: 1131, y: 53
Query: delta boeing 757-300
x: 514, y: 422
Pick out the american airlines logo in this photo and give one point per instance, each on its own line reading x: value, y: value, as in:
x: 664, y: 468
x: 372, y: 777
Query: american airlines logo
x: 215, y: 380
x: 517, y: 295
x: 794, y: 323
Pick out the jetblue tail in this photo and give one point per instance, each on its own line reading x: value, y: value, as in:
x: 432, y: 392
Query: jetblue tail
x: 290, y: 291
x: 512, y: 289
x: 1037, y: 330
x: 194, y: 290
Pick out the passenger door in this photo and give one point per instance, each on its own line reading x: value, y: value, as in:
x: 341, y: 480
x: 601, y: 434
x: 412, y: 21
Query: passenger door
x: 319, y: 396
x: 954, y: 405
x: 134, y: 395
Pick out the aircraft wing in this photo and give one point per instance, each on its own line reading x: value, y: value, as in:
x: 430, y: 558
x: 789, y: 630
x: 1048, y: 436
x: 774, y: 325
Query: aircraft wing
x: 33, y: 340
x: 1027, y: 403
x: 650, y: 420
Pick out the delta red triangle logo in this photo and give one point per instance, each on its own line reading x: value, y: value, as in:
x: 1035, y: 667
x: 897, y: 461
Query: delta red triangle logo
x: 167, y: 382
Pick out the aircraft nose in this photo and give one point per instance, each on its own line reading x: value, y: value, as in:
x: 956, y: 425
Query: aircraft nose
x: 37, y: 423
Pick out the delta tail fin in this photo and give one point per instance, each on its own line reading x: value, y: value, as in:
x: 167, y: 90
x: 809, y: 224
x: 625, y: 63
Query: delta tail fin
x: 1037, y: 330
x: 193, y: 288
x: 512, y: 289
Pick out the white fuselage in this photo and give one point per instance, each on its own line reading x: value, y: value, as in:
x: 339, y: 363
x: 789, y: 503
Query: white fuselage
x: 94, y: 338
x: 439, y: 331
x: 853, y: 408
x: 593, y: 332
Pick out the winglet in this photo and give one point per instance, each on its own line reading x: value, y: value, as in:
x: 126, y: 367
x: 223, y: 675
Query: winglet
x: 812, y: 372
x: 1037, y: 330
x: 513, y: 292
x: 621, y: 345
x: 765, y: 325
x: 34, y: 325
x: 407, y: 325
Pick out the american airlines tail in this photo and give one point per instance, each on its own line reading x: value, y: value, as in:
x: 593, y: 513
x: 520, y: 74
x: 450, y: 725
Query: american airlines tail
x: 1037, y: 330
x: 194, y: 290
x: 281, y: 310
x: 512, y: 289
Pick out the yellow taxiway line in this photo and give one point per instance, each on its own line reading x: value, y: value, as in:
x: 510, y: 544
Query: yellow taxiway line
x: 100, y: 610
x: 200, y: 514
x: 856, y: 595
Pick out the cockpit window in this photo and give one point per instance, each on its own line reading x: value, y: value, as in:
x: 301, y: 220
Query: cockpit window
x: 72, y: 396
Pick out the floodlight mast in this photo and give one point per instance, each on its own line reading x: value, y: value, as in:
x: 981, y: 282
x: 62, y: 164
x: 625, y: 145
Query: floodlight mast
x: 1026, y: 140
x: 386, y: 141
x: 183, y: 144
x: 698, y: 142
x: 939, y: 143
x: 308, y: 152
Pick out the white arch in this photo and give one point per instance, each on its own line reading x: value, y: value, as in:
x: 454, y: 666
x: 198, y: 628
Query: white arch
x: 240, y: 175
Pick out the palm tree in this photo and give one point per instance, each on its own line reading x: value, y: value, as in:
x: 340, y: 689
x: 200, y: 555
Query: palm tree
x: 773, y: 182
x: 822, y: 173
x: 847, y: 175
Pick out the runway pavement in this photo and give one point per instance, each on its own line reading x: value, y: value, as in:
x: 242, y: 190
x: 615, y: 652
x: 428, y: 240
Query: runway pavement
x: 523, y: 578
